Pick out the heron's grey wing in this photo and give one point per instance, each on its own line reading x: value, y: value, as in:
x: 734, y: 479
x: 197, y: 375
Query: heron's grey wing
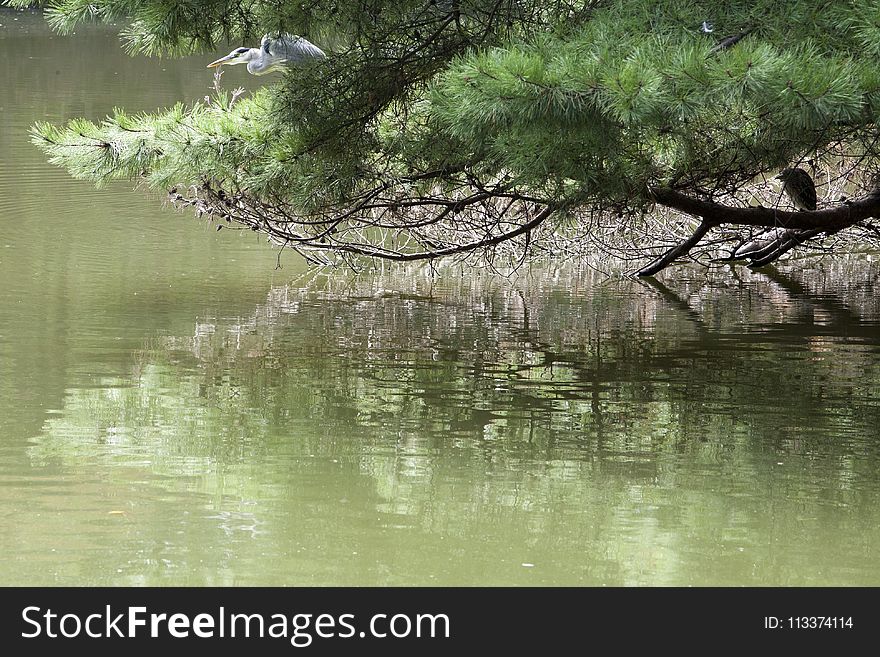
x: 295, y: 49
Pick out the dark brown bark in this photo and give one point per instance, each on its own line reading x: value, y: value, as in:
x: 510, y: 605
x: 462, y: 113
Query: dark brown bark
x: 679, y: 250
x: 781, y: 247
x: 837, y: 217
x: 714, y: 214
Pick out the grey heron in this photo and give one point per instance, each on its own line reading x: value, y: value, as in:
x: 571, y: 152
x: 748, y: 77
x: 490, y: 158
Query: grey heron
x: 273, y: 54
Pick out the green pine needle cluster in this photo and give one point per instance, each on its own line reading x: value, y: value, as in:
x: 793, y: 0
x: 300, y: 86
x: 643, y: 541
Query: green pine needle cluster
x: 580, y: 105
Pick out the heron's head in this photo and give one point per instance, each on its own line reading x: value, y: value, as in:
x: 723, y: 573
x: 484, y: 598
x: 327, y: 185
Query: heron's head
x: 237, y: 56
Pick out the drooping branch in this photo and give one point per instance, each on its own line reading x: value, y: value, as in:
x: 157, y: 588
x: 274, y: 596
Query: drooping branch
x: 392, y: 220
x: 834, y: 218
x: 493, y: 240
x: 801, y: 225
x: 778, y: 248
x: 679, y: 250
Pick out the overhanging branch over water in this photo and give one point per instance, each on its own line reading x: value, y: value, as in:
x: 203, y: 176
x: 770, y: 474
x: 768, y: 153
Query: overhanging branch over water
x: 800, y: 226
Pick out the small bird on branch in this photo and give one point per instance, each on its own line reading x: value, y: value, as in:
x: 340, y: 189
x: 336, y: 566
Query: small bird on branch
x: 799, y: 187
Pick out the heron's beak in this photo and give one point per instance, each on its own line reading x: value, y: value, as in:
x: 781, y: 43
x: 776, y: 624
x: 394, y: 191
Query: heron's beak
x: 222, y: 60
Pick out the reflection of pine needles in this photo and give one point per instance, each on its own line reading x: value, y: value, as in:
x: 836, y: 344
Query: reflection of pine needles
x: 410, y: 309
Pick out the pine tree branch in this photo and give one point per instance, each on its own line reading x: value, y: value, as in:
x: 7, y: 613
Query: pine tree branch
x: 828, y: 219
x: 808, y: 224
x: 679, y: 250
x: 493, y: 240
x: 781, y: 247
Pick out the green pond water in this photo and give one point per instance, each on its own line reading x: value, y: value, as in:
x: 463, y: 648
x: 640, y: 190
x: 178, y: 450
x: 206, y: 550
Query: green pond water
x: 175, y: 410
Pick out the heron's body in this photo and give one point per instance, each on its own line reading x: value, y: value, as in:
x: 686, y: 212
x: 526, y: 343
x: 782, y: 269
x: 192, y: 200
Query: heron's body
x: 274, y: 53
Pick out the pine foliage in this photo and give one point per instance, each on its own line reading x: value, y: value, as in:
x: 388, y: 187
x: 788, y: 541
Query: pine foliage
x: 437, y: 126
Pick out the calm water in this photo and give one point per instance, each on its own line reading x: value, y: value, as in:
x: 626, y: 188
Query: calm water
x: 176, y: 410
